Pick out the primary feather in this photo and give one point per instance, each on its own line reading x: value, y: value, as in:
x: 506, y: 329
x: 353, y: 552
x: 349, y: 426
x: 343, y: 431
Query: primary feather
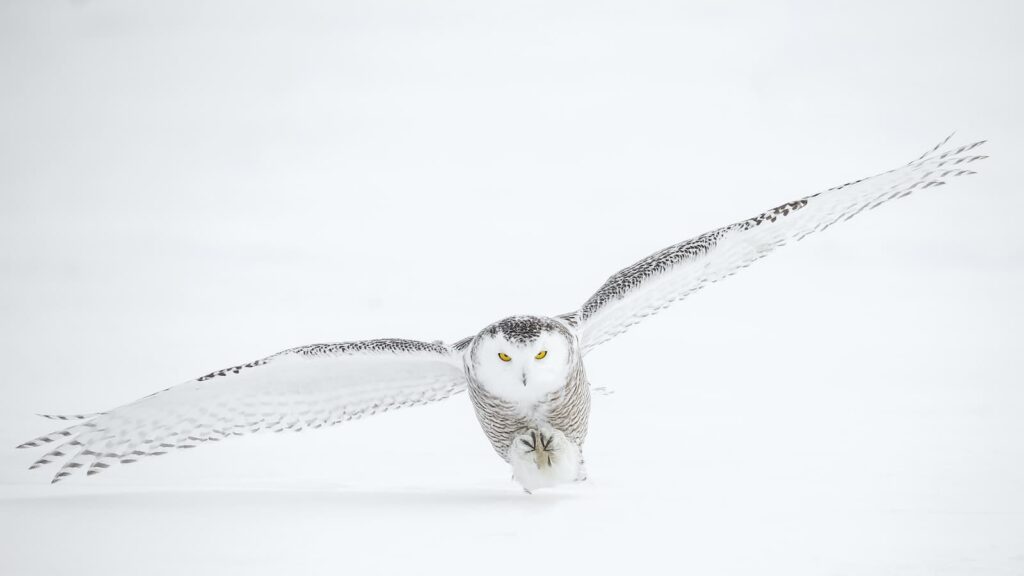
x: 307, y: 387
x: 680, y: 270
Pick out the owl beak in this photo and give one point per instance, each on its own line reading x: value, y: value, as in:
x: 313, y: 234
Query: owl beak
x: 524, y: 378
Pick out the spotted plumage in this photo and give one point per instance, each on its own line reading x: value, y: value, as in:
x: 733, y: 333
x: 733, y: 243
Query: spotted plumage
x: 525, y: 375
x: 566, y: 408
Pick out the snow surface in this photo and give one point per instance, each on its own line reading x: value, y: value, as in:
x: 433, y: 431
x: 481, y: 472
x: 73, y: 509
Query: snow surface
x: 189, y: 186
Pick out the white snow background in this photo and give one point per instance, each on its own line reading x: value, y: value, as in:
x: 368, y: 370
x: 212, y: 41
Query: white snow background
x: 191, y: 185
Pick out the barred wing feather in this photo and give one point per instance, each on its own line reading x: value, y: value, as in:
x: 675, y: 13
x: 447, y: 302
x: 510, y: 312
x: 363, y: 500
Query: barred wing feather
x: 307, y: 387
x: 680, y: 270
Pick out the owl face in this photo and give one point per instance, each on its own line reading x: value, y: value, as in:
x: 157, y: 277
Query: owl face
x: 523, y: 358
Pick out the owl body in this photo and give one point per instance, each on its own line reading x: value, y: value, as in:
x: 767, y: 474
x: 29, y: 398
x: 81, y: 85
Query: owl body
x: 526, y: 377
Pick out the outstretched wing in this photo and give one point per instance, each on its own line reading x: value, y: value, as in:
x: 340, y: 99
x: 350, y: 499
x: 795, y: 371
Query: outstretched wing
x: 307, y: 387
x: 677, y: 271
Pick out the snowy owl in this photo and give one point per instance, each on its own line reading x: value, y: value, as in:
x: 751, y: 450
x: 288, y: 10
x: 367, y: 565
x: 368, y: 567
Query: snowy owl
x: 525, y: 375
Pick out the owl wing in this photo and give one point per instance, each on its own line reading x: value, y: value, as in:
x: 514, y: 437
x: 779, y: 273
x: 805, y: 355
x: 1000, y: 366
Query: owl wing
x: 306, y: 387
x: 680, y: 270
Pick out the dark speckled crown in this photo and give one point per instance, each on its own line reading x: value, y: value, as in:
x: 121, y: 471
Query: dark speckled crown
x: 522, y: 329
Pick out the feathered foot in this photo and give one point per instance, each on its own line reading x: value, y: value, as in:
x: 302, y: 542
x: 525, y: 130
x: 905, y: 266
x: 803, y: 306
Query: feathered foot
x: 542, y: 458
x: 541, y: 446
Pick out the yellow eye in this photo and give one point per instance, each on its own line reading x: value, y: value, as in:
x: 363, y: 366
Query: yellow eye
x: 504, y: 357
x: 541, y: 355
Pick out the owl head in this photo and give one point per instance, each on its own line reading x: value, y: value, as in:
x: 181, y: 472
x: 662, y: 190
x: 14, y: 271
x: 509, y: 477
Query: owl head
x: 524, y: 358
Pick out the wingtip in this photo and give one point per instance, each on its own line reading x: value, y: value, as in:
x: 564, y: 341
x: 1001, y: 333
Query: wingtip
x: 936, y: 148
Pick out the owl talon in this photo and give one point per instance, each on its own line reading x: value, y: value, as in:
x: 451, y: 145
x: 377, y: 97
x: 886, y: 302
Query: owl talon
x: 531, y: 443
x: 541, y: 447
x: 543, y: 457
